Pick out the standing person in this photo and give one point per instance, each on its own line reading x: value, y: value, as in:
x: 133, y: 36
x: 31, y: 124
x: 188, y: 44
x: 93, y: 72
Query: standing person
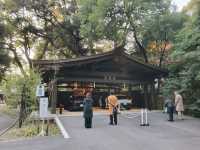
x: 100, y: 101
x: 112, y: 105
x: 179, y: 104
x: 165, y: 105
x: 87, y: 109
x: 170, y: 108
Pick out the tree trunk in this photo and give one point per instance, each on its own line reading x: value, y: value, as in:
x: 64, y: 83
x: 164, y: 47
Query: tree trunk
x: 27, y: 49
x: 44, y: 50
x: 16, y: 59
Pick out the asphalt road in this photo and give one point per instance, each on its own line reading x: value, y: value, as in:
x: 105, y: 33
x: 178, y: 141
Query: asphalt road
x: 128, y: 135
x: 5, y: 121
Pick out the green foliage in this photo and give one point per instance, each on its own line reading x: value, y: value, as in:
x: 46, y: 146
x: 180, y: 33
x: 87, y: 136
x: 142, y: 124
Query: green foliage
x: 114, y: 19
x: 160, y: 34
x: 4, y: 57
x: 96, y: 21
x: 133, y: 24
x: 185, y: 74
x: 9, y: 111
x: 13, y: 86
x: 194, y: 108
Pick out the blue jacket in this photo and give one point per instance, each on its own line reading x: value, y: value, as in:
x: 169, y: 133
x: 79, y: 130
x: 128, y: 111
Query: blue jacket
x: 87, y: 107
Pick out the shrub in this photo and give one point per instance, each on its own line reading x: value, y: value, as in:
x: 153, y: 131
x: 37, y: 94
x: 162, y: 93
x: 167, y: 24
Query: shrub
x: 13, y: 86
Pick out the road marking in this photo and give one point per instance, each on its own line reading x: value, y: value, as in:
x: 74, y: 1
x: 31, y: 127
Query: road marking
x: 131, y: 115
x: 61, y: 127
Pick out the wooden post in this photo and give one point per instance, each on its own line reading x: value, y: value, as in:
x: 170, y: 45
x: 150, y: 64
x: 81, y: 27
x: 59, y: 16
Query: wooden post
x: 129, y: 90
x: 53, y: 96
x: 146, y: 95
x: 152, y: 96
x: 47, y: 128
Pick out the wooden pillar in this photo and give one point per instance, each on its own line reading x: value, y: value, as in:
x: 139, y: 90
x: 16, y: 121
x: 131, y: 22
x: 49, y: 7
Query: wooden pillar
x: 53, y: 96
x: 145, y: 95
x: 152, y: 96
x: 129, y: 90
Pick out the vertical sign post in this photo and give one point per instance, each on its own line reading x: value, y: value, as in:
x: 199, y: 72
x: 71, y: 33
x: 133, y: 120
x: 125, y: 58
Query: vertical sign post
x: 43, y: 105
x: 43, y: 112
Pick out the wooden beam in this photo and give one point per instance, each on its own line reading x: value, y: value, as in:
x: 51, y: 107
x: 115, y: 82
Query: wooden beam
x: 106, y: 75
x: 132, y: 82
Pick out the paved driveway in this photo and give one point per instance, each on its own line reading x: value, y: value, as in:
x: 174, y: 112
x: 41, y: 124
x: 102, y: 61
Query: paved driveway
x: 128, y: 135
x: 5, y: 121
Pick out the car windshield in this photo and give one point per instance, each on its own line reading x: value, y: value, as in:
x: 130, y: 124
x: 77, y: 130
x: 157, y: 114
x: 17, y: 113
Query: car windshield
x: 78, y: 98
x: 122, y: 97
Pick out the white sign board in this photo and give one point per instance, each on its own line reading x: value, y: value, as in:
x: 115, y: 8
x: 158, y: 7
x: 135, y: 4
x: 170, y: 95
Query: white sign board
x: 40, y: 91
x: 43, y: 107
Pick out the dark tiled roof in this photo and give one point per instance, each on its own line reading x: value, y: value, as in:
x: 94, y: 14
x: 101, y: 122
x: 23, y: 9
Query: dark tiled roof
x: 96, y: 58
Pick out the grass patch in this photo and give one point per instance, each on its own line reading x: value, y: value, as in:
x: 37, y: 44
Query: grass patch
x: 31, y: 129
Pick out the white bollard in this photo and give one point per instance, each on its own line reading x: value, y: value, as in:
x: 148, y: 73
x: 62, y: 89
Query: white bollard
x: 142, y: 117
x: 146, y: 117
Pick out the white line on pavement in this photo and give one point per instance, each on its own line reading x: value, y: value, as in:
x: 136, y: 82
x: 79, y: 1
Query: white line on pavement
x: 61, y: 127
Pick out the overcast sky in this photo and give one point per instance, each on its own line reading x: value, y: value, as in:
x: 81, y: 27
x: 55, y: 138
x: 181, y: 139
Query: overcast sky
x: 180, y: 3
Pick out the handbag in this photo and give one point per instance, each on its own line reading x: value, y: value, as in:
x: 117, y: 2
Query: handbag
x: 115, y: 110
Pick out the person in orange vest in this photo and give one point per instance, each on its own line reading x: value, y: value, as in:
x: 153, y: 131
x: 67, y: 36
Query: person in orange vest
x: 112, y: 108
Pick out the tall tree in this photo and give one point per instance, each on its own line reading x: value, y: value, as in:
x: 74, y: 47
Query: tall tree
x: 159, y: 36
x: 44, y: 28
x: 185, y: 74
x: 4, y: 56
x: 115, y: 20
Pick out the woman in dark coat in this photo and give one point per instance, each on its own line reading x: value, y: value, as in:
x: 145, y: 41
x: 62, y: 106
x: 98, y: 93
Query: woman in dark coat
x: 87, y: 109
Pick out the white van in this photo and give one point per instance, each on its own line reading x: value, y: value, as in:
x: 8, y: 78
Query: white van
x: 124, y: 102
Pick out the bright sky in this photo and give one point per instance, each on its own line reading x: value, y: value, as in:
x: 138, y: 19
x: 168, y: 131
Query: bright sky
x: 180, y: 3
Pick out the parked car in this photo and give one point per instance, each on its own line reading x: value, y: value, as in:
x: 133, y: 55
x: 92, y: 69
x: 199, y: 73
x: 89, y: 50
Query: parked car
x: 124, y: 102
x: 76, y: 102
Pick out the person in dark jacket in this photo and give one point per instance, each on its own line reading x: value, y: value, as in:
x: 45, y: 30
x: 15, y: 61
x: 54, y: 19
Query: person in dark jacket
x: 87, y: 110
x: 170, y: 108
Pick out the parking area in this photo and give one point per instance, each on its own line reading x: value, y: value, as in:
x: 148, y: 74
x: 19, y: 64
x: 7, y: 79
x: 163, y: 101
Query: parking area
x: 128, y: 135
x: 161, y: 134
